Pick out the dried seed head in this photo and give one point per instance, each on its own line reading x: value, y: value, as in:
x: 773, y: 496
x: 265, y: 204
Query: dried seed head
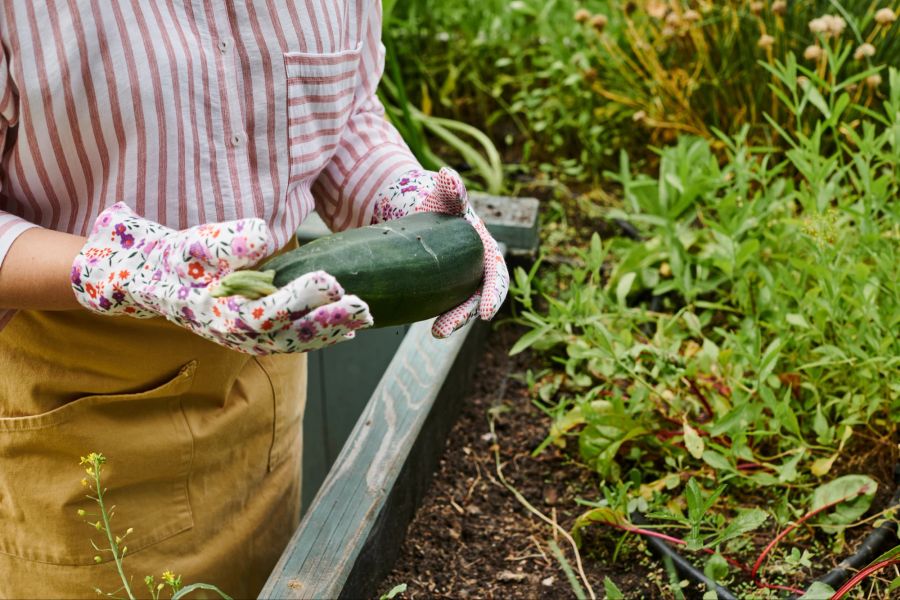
x: 873, y: 81
x: 765, y: 41
x: 691, y: 16
x: 885, y: 16
x: 639, y: 116
x: 803, y: 80
x: 864, y: 51
x: 779, y: 7
x: 813, y: 52
x: 837, y: 25
x: 757, y: 7
x: 673, y: 19
x: 590, y: 74
x: 599, y: 22
x: 582, y: 15
x: 830, y: 25
x: 668, y: 31
x: 657, y: 9
x: 819, y: 25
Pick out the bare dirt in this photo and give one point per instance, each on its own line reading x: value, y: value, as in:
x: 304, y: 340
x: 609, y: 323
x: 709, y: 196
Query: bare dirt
x: 472, y: 538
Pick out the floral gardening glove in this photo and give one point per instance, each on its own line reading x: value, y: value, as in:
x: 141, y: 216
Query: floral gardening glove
x: 133, y: 266
x: 444, y: 192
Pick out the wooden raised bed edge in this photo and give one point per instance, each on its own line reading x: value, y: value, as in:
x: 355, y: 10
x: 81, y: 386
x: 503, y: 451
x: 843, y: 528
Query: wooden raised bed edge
x: 351, y: 535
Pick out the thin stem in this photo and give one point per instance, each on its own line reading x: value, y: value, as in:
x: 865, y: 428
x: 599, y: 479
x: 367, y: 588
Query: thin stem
x: 771, y: 545
x: 113, y: 546
x: 862, y: 575
x: 673, y: 540
x: 524, y: 502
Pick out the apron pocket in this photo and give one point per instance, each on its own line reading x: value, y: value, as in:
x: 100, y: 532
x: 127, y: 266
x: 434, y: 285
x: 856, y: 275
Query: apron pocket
x: 320, y: 98
x: 148, y: 445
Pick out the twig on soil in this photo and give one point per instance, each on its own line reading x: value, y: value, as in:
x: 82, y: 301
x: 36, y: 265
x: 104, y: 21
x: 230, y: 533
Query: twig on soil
x: 524, y: 502
x: 540, y: 549
x: 456, y: 506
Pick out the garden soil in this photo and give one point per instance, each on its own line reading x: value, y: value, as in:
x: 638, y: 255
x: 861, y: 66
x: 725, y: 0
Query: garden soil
x: 472, y: 538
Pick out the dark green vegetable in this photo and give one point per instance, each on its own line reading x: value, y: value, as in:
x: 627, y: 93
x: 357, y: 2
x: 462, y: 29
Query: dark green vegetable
x: 406, y: 270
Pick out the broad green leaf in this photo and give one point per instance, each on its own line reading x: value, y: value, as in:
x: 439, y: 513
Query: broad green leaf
x: 818, y: 591
x: 612, y: 592
x: 797, y: 320
x: 815, y: 97
x: 601, y: 514
x: 624, y: 286
x: 529, y: 338
x: 693, y: 323
x: 788, y: 469
x: 716, y: 568
x: 821, y: 466
x: 717, y: 461
x: 394, y: 592
x: 889, y: 555
x: 895, y: 585
x: 745, y: 521
x: 692, y: 441
x: 855, y: 494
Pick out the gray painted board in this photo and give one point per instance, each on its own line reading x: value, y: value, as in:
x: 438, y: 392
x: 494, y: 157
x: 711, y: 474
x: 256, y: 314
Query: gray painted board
x: 341, y: 381
x: 351, y: 531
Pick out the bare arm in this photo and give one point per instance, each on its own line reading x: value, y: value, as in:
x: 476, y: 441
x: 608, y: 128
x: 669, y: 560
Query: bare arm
x: 35, y: 273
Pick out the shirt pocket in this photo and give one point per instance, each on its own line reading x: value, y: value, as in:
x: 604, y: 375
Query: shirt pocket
x: 320, y: 99
x: 148, y: 445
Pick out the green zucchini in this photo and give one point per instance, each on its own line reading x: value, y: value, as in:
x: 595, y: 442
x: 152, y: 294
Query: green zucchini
x: 407, y: 270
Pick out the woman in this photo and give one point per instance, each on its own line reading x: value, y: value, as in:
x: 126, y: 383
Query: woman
x: 149, y: 148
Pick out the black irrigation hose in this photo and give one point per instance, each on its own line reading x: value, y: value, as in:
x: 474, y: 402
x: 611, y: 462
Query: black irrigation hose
x: 876, y: 543
x: 682, y: 565
x: 879, y: 541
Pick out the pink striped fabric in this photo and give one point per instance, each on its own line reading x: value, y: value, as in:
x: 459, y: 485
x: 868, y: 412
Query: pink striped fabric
x: 192, y: 112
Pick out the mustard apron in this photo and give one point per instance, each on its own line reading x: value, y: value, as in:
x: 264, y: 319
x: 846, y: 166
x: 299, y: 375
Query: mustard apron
x: 202, y: 443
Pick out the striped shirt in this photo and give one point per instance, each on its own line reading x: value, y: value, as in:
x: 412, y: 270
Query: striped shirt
x: 192, y: 111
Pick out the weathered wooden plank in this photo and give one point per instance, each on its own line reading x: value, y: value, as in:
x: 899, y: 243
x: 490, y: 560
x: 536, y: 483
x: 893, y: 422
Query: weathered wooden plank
x: 341, y: 381
x: 512, y: 221
x: 353, y: 528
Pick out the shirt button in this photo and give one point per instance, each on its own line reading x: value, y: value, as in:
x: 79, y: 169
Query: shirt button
x: 236, y: 139
x: 224, y: 45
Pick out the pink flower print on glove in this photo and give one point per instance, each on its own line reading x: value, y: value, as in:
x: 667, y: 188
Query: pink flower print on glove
x: 133, y: 266
x: 444, y: 192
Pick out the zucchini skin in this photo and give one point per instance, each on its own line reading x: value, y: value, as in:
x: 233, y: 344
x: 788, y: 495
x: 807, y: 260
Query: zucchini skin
x: 407, y: 270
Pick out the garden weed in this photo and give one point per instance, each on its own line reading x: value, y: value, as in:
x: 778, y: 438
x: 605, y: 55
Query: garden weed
x: 749, y: 336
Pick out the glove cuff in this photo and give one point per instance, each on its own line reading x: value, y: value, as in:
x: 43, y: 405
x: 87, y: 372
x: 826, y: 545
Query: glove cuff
x: 108, y: 262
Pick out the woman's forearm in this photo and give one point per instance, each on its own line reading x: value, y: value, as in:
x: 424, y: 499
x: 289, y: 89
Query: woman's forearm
x: 36, y: 271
